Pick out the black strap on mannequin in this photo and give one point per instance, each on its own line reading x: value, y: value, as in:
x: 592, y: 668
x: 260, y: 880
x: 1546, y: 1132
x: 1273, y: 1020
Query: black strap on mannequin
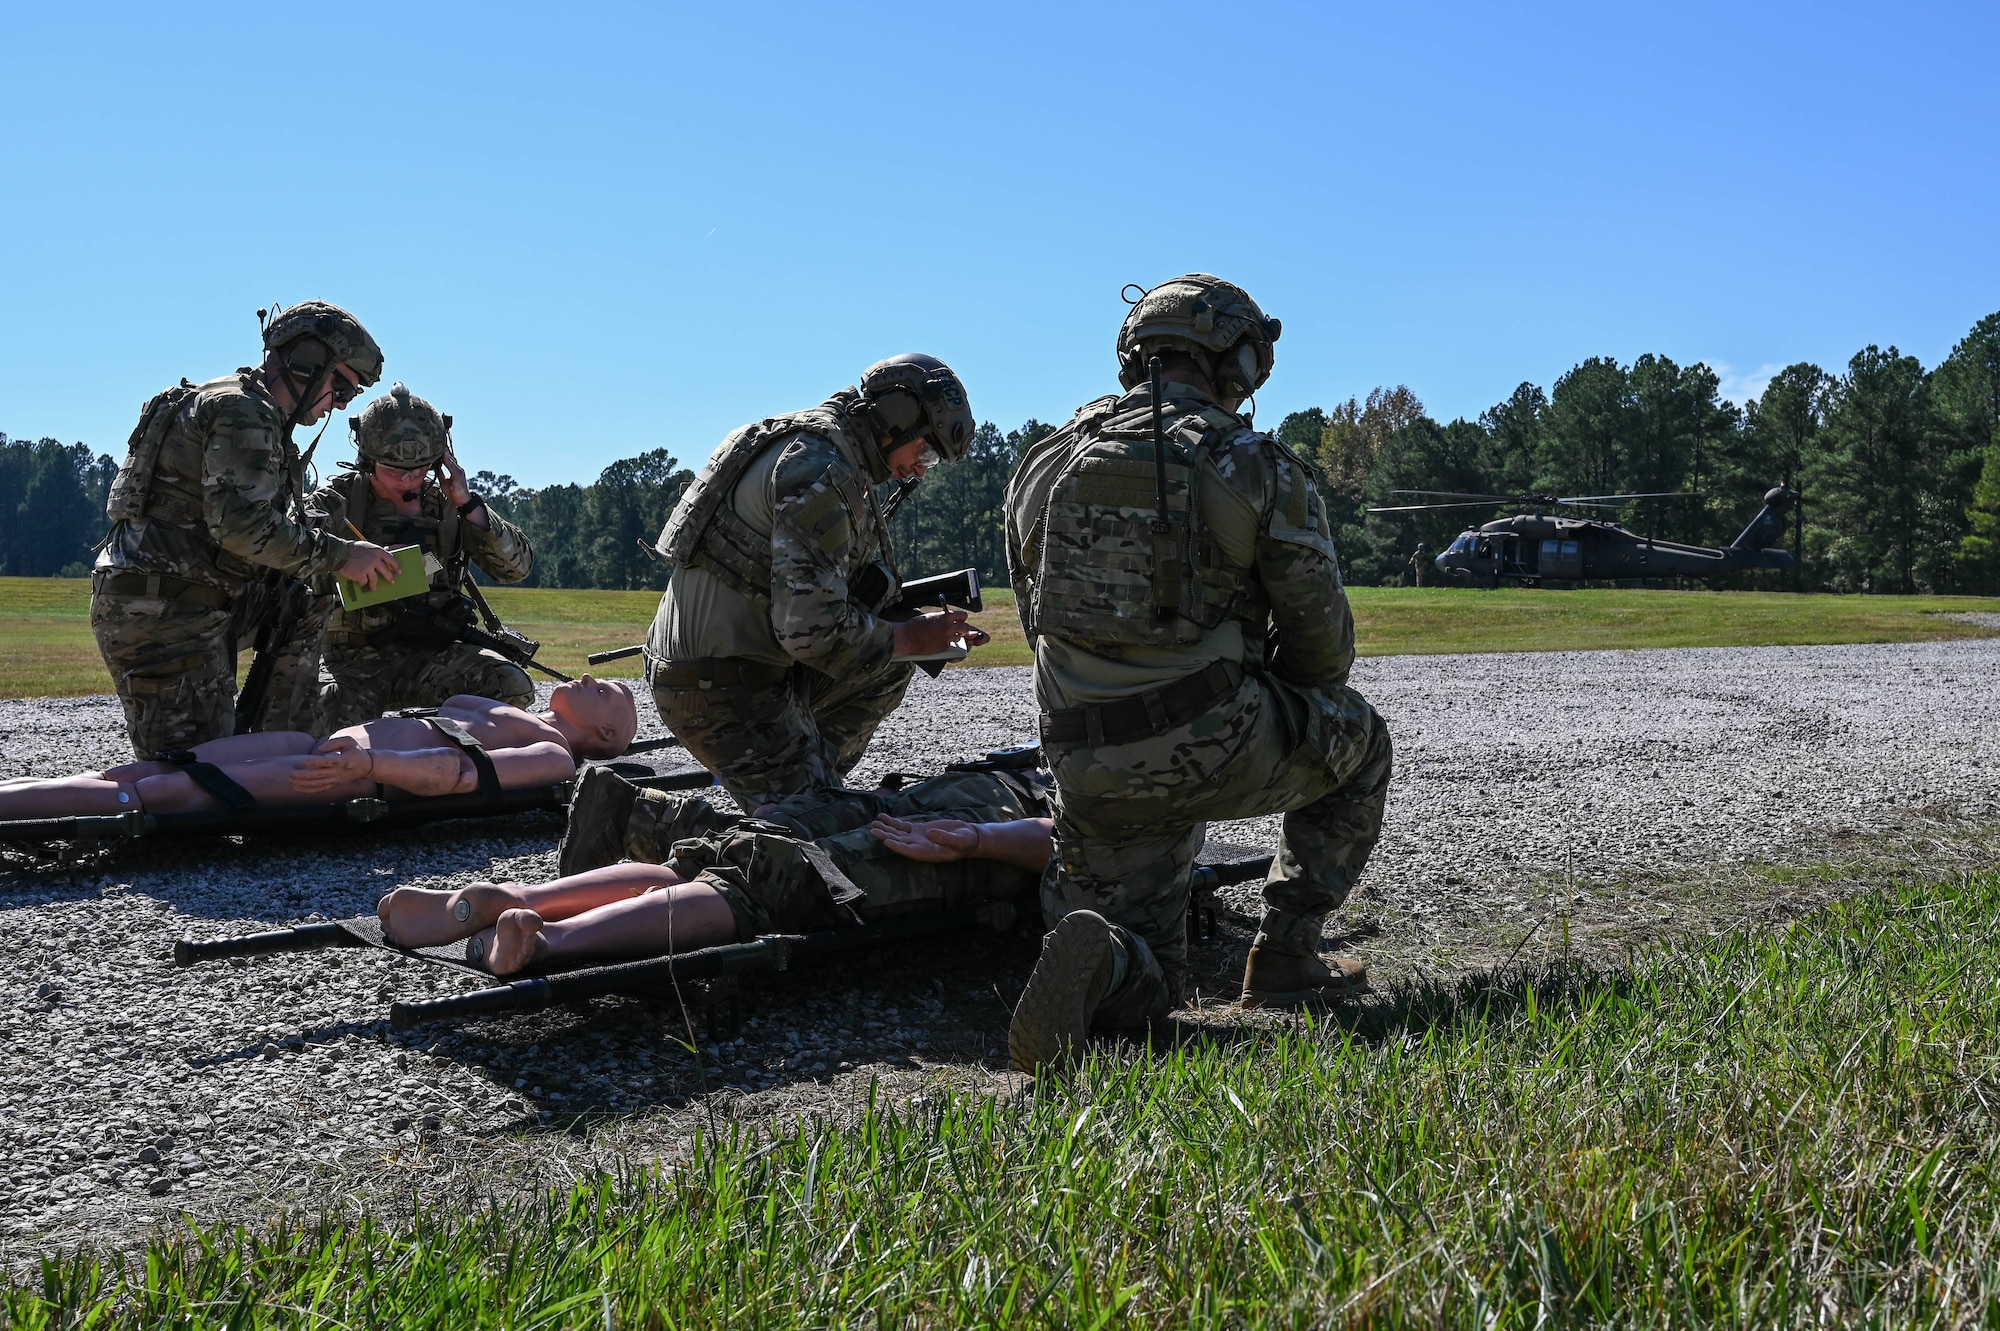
x: 211, y: 778
x: 482, y: 762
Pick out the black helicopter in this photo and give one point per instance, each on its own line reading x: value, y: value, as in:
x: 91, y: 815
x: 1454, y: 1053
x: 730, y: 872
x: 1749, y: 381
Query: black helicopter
x: 1533, y: 546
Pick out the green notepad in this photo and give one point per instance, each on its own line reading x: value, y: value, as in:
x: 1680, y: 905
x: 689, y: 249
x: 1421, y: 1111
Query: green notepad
x: 412, y: 581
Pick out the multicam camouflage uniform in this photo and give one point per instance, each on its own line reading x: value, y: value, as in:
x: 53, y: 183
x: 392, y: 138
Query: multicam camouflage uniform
x: 178, y: 589
x: 1231, y: 703
x: 207, y: 542
x: 375, y: 658
x: 767, y: 658
x: 778, y: 881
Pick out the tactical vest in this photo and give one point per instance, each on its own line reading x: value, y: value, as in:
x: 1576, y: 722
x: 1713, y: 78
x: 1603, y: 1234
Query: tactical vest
x: 162, y: 473
x: 439, y: 537
x: 1102, y: 573
x: 444, y: 542
x: 133, y: 485
x: 705, y: 531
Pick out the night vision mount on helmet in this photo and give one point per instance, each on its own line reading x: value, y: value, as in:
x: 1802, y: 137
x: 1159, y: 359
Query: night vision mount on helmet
x: 1211, y: 320
x: 944, y: 416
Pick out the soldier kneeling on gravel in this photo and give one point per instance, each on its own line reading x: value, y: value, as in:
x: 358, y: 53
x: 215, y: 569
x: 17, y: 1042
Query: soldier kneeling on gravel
x: 698, y: 878
x: 409, y: 488
x: 1191, y: 665
x: 769, y: 658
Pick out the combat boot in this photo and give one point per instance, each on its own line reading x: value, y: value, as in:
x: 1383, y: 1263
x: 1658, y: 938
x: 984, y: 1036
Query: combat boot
x: 598, y: 815
x: 1078, y: 963
x: 1280, y: 975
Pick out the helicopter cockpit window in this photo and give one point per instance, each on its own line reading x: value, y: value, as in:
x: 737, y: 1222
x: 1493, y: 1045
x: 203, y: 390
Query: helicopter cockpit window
x: 1463, y: 545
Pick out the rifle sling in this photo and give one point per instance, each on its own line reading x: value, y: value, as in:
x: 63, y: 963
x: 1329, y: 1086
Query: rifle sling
x: 212, y: 779
x: 482, y: 762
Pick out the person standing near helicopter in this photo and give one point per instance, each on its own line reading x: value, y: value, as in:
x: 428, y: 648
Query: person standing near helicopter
x: 407, y: 487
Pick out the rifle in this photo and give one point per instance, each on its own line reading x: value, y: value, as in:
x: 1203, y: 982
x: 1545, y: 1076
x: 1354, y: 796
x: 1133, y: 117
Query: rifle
x: 425, y: 625
x: 286, y: 601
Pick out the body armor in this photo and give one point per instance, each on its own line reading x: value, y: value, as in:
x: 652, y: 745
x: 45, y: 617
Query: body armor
x: 705, y: 531
x: 133, y: 485
x: 438, y: 538
x: 162, y: 474
x: 1097, y: 578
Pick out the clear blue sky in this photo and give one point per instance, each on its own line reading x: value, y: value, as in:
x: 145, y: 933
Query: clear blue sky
x: 591, y: 230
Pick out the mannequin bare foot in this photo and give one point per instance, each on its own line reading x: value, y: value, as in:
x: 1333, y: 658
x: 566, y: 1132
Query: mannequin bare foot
x: 424, y: 917
x: 514, y: 943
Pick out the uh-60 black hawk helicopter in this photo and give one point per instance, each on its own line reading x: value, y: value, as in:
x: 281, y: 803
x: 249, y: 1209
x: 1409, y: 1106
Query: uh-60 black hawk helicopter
x: 1532, y: 546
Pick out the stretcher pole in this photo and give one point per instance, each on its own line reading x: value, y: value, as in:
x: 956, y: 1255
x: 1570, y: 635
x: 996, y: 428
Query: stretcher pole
x: 303, y: 938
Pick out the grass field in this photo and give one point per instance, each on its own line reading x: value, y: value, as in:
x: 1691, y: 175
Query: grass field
x: 1780, y: 1129
x: 47, y: 649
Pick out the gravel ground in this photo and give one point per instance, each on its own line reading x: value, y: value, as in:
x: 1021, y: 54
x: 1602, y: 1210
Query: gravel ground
x: 1630, y: 794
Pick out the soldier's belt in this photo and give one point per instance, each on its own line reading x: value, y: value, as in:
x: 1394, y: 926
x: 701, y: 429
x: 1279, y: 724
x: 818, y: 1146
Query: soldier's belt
x: 714, y: 672
x: 166, y: 587
x: 1143, y: 715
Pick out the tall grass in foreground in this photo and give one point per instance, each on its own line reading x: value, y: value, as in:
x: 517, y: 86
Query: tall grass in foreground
x: 1790, y: 1129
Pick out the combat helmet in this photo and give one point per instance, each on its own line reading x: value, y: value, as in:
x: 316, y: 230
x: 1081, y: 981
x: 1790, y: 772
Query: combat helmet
x: 1212, y: 320
x: 400, y: 429
x: 346, y: 341
x: 945, y: 418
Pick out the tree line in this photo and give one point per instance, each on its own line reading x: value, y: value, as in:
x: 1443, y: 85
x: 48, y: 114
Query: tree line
x: 1898, y: 466
x: 51, y: 507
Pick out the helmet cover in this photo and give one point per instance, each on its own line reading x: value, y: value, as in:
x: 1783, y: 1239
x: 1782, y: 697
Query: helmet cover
x: 947, y: 418
x: 401, y: 430
x: 1212, y: 320
x: 340, y: 332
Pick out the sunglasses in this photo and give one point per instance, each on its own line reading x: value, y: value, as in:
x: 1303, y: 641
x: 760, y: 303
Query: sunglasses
x: 345, y: 390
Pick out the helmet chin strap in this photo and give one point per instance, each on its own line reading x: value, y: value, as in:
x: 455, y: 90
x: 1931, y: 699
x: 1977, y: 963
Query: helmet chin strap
x: 903, y: 490
x: 297, y: 414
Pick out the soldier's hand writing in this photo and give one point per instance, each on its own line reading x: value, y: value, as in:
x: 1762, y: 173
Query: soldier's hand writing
x: 927, y: 635
x: 335, y: 763
x: 368, y: 564
x: 938, y: 842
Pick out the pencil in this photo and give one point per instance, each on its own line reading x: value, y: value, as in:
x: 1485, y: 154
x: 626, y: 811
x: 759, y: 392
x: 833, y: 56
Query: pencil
x: 356, y: 530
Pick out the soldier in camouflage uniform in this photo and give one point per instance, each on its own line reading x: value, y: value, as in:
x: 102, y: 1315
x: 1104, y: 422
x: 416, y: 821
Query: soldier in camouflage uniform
x: 768, y: 658
x: 1187, y: 670
x: 409, y: 489
x: 817, y: 862
x: 207, y: 536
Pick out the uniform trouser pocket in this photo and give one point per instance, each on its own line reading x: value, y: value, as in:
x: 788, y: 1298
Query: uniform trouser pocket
x: 172, y: 666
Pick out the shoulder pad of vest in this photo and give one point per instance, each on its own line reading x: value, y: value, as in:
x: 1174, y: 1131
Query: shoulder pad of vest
x: 1094, y: 410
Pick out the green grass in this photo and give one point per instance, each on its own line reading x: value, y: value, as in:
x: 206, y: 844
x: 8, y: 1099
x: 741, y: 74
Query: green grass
x: 45, y: 625
x: 1788, y: 1129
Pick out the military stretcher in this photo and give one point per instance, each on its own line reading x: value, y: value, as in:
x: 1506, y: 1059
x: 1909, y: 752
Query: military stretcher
x: 707, y: 976
x: 644, y: 764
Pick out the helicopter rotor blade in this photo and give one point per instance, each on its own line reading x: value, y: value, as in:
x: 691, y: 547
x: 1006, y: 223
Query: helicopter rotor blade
x: 1426, y: 508
x: 1460, y: 494
x: 1653, y: 494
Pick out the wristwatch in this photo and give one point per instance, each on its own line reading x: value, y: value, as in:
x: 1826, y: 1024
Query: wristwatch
x: 478, y: 501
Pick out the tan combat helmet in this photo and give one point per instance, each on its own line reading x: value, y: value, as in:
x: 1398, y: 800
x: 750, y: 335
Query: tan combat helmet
x: 400, y: 429
x: 944, y: 416
x: 1212, y: 320
x: 292, y: 332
